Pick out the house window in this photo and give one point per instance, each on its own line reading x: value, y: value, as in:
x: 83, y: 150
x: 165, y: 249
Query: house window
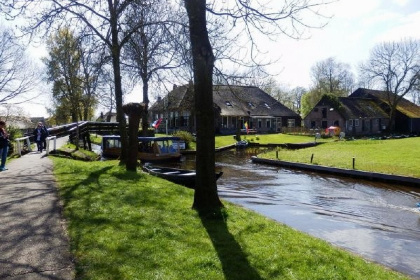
x: 228, y: 103
x: 259, y: 123
x: 324, y: 124
x: 251, y: 105
x: 324, y: 113
x: 313, y: 124
x: 356, y: 122
x: 224, y: 122
x: 350, y: 123
x: 267, y: 106
x: 185, y: 120
x: 291, y: 122
x: 268, y: 123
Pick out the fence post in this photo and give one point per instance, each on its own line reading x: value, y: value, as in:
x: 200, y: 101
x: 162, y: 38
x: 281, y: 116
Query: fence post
x: 312, y: 157
x: 354, y: 161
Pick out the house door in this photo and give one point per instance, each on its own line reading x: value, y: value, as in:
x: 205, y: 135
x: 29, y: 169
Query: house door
x: 278, y: 124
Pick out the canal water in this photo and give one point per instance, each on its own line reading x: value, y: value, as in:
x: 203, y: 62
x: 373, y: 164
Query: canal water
x: 375, y: 220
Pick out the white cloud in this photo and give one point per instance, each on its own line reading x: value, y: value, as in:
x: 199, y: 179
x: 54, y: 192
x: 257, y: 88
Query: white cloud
x: 352, y: 9
x: 401, y: 2
x: 405, y: 27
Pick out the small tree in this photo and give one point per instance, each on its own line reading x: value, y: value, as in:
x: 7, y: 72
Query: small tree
x: 63, y: 67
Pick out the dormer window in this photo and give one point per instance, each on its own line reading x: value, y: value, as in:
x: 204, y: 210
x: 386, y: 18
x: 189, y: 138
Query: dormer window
x: 228, y: 103
x: 267, y: 106
x: 251, y: 105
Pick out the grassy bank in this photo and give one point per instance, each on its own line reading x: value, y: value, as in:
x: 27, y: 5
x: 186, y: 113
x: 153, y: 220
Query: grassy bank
x: 267, y: 139
x: 126, y: 225
x: 396, y: 156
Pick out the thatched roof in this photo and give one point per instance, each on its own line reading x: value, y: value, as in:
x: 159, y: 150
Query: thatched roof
x: 352, y: 108
x: 405, y: 107
x: 232, y: 101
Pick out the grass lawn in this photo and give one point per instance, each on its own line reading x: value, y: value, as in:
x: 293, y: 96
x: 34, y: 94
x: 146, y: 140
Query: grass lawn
x: 127, y: 225
x: 395, y: 156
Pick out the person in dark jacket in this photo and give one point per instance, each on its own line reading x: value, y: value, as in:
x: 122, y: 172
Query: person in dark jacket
x: 40, y: 133
x: 4, y: 145
x: 46, y: 134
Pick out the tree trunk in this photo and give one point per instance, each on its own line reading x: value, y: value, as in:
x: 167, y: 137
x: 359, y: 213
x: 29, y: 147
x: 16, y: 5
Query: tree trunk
x: 144, y: 121
x: 116, y: 54
x: 134, y: 112
x: 206, y: 198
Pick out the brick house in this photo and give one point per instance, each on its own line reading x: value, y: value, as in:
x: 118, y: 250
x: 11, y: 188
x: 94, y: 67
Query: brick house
x: 354, y: 116
x: 364, y: 112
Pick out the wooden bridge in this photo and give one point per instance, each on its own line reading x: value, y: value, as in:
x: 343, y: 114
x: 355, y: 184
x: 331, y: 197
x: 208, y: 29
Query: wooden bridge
x: 75, y: 131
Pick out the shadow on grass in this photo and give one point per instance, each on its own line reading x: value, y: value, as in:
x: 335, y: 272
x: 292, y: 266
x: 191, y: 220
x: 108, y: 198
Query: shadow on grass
x: 89, y: 218
x: 234, y: 261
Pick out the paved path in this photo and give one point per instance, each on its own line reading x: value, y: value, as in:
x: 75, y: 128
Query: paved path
x: 33, y: 240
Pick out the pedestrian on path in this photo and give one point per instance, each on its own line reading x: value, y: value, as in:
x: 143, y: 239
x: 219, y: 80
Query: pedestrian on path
x: 40, y: 133
x: 4, y: 145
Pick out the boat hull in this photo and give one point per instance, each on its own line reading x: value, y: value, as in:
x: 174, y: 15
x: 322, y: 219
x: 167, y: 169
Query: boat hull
x: 183, y: 177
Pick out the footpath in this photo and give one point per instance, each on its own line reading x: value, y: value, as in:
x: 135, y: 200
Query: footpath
x: 33, y: 237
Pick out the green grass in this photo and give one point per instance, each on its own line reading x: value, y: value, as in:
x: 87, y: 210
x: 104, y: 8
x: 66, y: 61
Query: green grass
x: 267, y: 139
x: 396, y: 156
x: 127, y: 225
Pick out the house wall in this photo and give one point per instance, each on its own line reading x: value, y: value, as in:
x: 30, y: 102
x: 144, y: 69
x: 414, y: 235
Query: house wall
x: 322, y: 117
x: 365, y: 126
x: 404, y: 124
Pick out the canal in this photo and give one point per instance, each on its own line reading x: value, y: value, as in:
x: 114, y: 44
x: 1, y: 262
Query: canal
x: 378, y: 221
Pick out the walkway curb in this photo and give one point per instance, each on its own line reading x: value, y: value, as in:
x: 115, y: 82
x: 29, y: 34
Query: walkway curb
x: 409, y: 181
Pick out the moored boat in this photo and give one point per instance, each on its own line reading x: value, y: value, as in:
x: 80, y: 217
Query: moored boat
x: 241, y: 144
x: 151, y: 149
x: 179, y: 176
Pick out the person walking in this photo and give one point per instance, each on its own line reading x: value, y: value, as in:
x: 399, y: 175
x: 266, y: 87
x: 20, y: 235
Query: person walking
x: 44, y: 140
x: 40, y: 134
x: 4, y: 145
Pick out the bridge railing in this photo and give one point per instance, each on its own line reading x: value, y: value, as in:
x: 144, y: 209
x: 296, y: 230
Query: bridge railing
x: 77, y: 130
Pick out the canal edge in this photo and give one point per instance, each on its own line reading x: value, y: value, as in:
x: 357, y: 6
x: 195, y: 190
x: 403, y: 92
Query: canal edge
x: 371, y: 176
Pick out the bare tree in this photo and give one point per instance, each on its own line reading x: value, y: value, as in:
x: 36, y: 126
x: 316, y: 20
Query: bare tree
x: 332, y: 77
x: 18, y: 76
x: 92, y: 61
x: 255, y: 17
x: 394, y: 67
x: 154, y: 47
x: 106, y: 21
x: 329, y: 77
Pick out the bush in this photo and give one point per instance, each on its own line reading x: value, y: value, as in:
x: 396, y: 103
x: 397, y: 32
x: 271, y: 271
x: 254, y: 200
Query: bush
x: 185, y: 136
x: 14, y: 132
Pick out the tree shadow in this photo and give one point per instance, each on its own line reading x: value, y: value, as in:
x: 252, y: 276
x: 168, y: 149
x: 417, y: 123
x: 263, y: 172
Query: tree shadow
x: 234, y: 261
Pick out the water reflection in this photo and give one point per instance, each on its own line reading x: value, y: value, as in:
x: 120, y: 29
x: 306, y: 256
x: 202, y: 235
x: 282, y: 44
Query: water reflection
x: 376, y: 220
